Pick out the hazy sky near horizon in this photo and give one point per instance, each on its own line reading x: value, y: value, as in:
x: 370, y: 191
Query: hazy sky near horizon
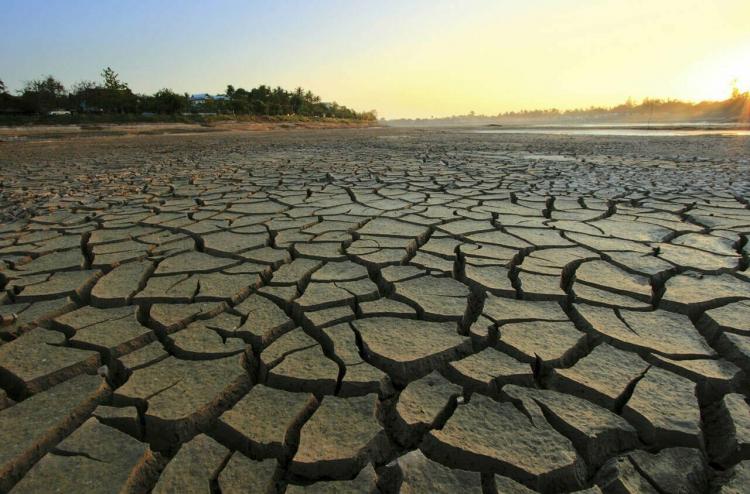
x: 410, y: 58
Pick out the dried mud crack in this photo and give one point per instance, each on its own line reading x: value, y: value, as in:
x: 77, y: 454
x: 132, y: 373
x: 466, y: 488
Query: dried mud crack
x: 375, y: 311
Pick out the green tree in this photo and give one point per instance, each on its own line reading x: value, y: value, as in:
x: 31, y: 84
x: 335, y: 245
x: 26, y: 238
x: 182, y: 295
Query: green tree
x: 8, y: 102
x: 167, y: 101
x: 42, y: 95
x: 297, y: 101
x: 112, y: 80
x: 115, y: 96
x: 85, y: 95
x: 48, y: 85
x: 83, y: 86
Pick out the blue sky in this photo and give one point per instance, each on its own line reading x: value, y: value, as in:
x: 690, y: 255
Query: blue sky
x: 403, y: 58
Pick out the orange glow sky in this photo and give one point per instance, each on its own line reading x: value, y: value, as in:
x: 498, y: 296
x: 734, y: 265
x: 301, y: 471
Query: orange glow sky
x: 414, y: 58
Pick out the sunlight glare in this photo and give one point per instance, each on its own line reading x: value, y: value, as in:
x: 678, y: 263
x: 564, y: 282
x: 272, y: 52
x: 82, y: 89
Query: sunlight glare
x: 714, y: 79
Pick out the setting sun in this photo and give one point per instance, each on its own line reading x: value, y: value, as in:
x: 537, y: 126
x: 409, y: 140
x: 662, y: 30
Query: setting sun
x: 742, y: 84
x: 714, y: 77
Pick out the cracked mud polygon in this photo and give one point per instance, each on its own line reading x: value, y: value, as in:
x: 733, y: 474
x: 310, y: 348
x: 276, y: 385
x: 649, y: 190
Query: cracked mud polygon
x: 375, y: 311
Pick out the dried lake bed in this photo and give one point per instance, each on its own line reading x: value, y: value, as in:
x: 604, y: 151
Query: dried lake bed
x: 375, y: 310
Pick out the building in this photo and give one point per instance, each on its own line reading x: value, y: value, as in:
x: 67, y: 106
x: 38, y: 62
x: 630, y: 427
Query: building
x: 202, y: 99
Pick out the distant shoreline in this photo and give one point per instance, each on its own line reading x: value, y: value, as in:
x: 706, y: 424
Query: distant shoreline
x: 684, y: 129
x: 628, y: 126
x: 593, y: 124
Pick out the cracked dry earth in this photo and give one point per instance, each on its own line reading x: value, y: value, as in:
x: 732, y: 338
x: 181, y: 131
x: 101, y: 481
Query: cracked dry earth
x: 375, y: 311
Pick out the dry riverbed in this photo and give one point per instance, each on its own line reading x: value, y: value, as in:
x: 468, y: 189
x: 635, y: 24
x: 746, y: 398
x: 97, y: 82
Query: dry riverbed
x: 374, y: 310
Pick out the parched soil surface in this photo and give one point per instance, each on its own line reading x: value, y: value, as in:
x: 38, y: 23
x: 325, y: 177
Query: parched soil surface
x: 375, y: 310
x: 38, y: 132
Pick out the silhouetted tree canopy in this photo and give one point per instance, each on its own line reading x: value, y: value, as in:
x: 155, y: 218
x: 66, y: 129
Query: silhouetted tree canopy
x: 112, y: 95
x: 112, y: 80
x: 43, y: 94
x: 734, y: 109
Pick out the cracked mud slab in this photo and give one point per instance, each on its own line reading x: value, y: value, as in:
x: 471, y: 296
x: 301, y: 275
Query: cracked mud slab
x: 375, y: 311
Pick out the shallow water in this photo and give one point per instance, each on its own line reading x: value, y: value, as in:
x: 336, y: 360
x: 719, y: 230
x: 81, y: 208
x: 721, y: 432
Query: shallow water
x: 593, y: 131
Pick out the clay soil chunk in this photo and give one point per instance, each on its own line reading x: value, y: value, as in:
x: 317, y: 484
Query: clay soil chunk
x: 691, y: 292
x: 104, y: 460
x: 669, y: 334
x: 32, y: 427
x: 340, y: 438
x: 596, y: 432
x: 487, y: 371
x: 263, y: 322
x: 359, y: 376
x: 733, y: 317
x: 265, y: 421
x: 438, y: 299
x: 305, y: 370
x: 408, y: 349
x: 193, y: 262
x: 194, y: 466
x: 114, y: 332
x: 619, y: 475
x: 673, y: 470
x: 496, y: 437
x: 418, y: 474
x: 504, y: 310
x: 728, y: 425
x: 117, y: 287
x: 241, y: 474
x: 665, y: 410
x: 39, y: 359
x: 423, y: 405
x: 603, y: 376
x: 555, y: 344
x: 183, y: 395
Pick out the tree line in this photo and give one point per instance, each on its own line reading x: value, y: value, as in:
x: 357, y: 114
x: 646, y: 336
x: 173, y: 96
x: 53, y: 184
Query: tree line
x: 113, y: 96
x: 734, y: 109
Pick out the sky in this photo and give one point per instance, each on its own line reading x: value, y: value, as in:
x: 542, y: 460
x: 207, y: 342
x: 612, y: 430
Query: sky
x: 408, y: 58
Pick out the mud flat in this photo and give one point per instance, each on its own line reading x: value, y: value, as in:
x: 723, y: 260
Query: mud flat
x: 42, y: 132
x: 375, y: 310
